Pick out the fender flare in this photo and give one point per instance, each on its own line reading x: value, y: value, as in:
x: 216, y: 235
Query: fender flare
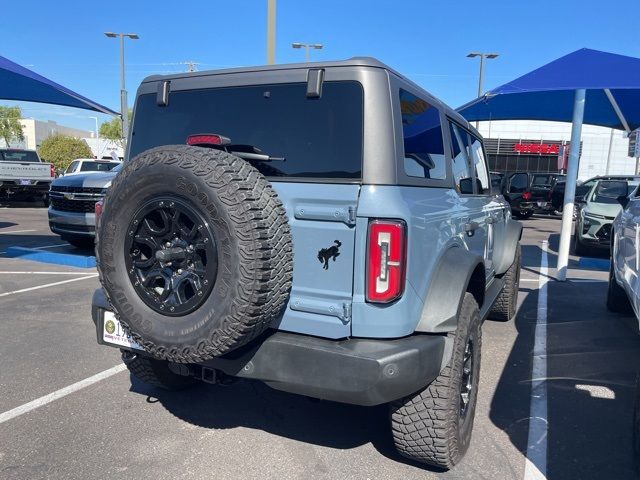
x: 503, y: 259
x: 449, y: 283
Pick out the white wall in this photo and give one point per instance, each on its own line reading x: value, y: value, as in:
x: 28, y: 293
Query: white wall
x: 35, y: 131
x: 595, y: 143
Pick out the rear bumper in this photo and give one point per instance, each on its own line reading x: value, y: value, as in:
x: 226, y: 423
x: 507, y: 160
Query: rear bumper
x: 356, y: 371
x: 40, y: 188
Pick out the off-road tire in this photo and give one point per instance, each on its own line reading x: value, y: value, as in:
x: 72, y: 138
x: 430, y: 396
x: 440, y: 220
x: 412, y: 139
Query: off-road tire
x: 617, y: 299
x: 156, y: 373
x: 505, y: 306
x: 427, y: 427
x: 253, y: 244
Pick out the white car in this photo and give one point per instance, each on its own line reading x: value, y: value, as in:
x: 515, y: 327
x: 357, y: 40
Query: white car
x: 623, y: 294
x: 84, y: 165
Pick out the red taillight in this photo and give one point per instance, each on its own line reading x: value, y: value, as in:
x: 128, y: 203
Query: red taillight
x: 206, y: 139
x: 52, y: 171
x: 385, y: 260
x: 98, y: 209
x: 526, y: 196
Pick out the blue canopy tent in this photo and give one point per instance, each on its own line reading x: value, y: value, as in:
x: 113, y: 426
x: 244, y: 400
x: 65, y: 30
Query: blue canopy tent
x: 19, y: 83
x: 586, y: 86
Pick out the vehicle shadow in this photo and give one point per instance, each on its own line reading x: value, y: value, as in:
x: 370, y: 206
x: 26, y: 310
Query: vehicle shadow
x: 251, y: 404
x: 7, y: 224
x: 592, y: 360
x: 21, y: 204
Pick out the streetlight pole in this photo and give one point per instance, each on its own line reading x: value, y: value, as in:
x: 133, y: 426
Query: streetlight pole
x: 481, y: 76
x: 307, y: 47
x: 124, y: 108
x: 271, y: 32
x: 96, y: 120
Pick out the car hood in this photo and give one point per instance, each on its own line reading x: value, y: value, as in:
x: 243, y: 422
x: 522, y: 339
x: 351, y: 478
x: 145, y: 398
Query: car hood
x: 90, y: 179
x: 604, y: 209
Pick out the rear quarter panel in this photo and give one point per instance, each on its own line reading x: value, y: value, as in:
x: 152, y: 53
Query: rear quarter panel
x: 434, y: 218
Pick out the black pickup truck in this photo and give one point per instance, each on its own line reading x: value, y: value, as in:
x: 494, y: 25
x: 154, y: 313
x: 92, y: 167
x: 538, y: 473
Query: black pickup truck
x: 528, y: 192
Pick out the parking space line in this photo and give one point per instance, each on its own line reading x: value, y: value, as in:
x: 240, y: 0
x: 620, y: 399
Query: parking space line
x: 39, y: 402
x: 40, y: 273
x: 22, y: 290
x: 44, y: 247
x: 536, y: 461
x: 17, y: 231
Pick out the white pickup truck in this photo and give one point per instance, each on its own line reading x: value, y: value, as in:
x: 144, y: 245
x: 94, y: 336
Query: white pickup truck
x: 24, y: 175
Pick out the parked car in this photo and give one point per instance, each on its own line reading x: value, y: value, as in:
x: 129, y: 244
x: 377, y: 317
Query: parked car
x: 267, y: 229
x: 83, y: 165
x: 584, y: 187
x: 528, y: 192
x: 73, y: 199
x: 23, y: 175
x: 623, y: 293
x: 596, y: 214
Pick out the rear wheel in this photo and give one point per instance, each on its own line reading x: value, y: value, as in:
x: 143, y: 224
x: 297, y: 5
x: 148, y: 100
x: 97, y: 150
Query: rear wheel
x: 505, y: 306
x: 155, y: 372
x: 434, y: 425
x: 617, y: 300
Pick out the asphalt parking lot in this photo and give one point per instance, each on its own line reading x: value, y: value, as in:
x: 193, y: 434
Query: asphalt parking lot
x: 572, y: 421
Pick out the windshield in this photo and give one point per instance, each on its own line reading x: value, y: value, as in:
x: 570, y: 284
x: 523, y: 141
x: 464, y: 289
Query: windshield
x: 317, y: 137
x: 19, y: 156
x: 98, y: 166
x: 609, y: 191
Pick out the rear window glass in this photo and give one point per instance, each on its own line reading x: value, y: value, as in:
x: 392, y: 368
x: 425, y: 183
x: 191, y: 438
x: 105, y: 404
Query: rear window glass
x: 317, y: 137
x: 98, y: 166
x: 19, y: 156
x: 542, y: 180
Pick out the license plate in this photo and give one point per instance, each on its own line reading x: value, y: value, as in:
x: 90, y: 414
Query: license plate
x: 113, y: 333
x: 542, y: 204
x: 25, y: 182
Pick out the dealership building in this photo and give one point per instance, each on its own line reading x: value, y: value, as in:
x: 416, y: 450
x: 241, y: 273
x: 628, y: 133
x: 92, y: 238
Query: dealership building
x: 541, y: 146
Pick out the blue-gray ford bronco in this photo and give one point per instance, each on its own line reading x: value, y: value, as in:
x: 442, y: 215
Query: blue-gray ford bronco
x: 328, y: 229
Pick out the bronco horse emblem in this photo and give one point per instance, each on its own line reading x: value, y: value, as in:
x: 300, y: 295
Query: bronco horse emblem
x: 325, y: 254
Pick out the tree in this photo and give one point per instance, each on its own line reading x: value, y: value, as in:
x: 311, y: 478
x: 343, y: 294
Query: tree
x: 112, y: 130
x: 61, y: 150
x: 10, y: 127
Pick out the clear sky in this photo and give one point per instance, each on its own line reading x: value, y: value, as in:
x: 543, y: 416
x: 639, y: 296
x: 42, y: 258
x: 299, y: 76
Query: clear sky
x: 425, y: 40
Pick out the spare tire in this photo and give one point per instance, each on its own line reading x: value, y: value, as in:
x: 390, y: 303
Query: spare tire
x: 194, y: 252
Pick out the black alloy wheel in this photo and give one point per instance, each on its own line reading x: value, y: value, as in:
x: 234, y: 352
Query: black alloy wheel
x: 171, y: 256
x: 466, y: 385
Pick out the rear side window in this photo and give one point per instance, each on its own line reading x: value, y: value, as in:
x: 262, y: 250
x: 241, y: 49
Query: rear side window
x: 422, y: 133
x: 19, y: 156
x: 518, y: 183
x: 319, y: 138
x: 71, y: 168
x: 462, y: 174
x: 480, y: 166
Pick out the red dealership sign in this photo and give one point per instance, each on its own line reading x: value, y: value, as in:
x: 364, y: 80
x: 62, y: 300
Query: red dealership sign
x: 537, y: 148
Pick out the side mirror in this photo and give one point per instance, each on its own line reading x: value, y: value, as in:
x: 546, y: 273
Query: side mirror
x: 623, y: 200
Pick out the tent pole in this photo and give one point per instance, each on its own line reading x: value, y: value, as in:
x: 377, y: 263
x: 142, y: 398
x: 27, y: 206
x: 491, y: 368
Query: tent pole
x: 570, y: 188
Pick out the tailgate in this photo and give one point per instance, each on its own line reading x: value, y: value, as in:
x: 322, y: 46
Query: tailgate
x: 25, y: 171
x: 322, y: 218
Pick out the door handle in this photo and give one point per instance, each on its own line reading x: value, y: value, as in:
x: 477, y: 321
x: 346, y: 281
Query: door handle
x: 471, y: 227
